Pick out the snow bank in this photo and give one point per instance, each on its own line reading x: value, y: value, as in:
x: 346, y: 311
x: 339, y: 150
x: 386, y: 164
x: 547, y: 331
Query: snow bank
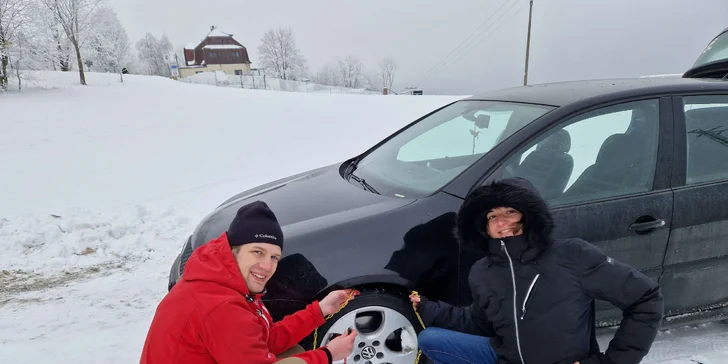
x: 102, y: 318
x: 53, y: 244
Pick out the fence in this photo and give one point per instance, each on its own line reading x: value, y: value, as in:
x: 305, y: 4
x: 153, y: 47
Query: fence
x: 263, y: 82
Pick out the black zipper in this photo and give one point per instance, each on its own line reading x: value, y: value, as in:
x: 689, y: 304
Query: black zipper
x: 529, y: 294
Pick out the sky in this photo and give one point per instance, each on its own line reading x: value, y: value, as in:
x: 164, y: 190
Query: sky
x: 458, y: 47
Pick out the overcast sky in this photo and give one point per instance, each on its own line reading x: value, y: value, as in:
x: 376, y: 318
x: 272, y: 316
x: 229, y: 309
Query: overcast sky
x: 571, y: 39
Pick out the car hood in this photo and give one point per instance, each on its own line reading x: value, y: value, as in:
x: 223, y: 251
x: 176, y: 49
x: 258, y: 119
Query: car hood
x: 305, y: 202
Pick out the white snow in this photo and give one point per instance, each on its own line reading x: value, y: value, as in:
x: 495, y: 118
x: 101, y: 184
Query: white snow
x: 222, y: 46
x: 217, y: 33
x: 191, y: 45
x: 100, y: 185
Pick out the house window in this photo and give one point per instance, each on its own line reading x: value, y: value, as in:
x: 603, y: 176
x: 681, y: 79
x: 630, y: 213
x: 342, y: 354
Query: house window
x: 212, y: 55
x: 236, y: 54
x: 238, y: 72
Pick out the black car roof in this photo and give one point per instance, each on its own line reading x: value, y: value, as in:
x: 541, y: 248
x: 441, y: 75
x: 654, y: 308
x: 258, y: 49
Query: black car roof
x: 564, y: 93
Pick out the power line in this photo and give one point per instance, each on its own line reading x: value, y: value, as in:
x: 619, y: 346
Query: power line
x: 472, y: 46
x: 484, y: 38
x: 468, y: 37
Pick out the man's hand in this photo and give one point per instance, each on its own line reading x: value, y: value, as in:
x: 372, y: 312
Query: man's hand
x: 340, y: 347
x: 334, y: 300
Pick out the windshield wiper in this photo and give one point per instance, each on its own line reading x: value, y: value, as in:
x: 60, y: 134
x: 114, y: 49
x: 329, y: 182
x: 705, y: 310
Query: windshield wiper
x: 364, y: 183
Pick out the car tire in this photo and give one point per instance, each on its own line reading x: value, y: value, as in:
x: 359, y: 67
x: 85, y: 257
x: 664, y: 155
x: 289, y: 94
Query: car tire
x: 380, y: 318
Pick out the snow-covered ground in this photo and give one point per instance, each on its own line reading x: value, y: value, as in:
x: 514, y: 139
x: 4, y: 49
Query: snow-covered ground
x: 100, y: 184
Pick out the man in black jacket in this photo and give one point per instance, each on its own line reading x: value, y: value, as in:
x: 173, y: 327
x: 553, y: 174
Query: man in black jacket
x: 533, y: 296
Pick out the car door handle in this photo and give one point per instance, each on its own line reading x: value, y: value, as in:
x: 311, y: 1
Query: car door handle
x: 641, y: 226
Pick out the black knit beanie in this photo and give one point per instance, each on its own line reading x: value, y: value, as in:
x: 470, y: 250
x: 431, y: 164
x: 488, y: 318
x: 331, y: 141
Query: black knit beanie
x: 255, y: 223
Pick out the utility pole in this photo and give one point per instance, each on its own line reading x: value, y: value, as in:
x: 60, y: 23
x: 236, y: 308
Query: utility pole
x: 528, y: 44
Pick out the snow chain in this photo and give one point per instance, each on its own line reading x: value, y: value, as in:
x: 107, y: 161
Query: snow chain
x: 414, y: 307
x: 351, y: 295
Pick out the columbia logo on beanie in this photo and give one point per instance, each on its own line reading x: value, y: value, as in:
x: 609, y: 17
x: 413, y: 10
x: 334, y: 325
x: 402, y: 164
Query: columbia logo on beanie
x: 255, y: 223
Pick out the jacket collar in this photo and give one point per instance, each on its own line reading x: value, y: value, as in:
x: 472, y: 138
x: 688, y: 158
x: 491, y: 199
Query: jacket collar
x: 214, y: 262
x: 519, y: 249
x: 250, y: 297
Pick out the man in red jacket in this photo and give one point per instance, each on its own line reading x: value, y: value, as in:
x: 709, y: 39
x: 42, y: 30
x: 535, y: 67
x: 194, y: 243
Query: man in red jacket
x: 215, y: 313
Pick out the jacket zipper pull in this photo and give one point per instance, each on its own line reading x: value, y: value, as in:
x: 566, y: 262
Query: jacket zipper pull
x: 528, y: 295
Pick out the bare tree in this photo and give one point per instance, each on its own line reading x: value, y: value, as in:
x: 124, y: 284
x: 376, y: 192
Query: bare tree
x: 387, y: 69
x: 280, y: 55
x: 351, y: 71
x: 328, y: 75
x: 13, y: 16
x: 75, y: 17
x: 373, y: 81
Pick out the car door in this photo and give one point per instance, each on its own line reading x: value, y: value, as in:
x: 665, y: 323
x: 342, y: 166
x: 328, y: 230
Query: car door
x: 696, y: 262
x: 606, y: 175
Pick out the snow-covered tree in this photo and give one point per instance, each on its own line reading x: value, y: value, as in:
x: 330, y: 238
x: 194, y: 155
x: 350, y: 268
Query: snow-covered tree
x: 387, y: 69
x: 154, y: 55
x: 62, y: 49
x: 107, y: 47
x: 280, y: 56
x: 14, y: 15
x: 351, y: 71
x: 75, y: 17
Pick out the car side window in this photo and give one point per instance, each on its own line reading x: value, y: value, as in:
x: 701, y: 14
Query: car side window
x: 706, y: 125
x: 604, y: 153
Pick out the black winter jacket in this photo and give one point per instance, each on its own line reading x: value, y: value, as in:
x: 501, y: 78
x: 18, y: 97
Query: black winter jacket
x: 550, y: 319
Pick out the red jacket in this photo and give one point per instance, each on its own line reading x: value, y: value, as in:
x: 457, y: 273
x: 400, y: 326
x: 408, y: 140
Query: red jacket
x: 206, y: 318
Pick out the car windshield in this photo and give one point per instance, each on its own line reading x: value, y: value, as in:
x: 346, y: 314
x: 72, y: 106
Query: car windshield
x: 715, y: 51
x: 432, y: 152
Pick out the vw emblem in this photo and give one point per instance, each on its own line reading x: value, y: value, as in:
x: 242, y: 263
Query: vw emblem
x: 368, y: 352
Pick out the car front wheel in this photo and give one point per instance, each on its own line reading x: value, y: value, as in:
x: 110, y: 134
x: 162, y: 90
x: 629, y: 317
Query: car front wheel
x: 386, y: 327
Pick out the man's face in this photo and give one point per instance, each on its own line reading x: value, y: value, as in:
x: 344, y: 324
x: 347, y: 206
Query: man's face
x: 504, y: 222
x: 257, y: 262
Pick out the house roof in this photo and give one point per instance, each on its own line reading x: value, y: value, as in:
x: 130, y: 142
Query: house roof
x: 217, y: 33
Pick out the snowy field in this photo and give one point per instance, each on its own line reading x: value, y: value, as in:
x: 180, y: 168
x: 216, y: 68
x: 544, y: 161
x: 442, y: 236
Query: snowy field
x: 100, y: 184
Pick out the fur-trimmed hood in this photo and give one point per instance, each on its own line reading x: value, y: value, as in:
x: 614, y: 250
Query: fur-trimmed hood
x: 517, y: 193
